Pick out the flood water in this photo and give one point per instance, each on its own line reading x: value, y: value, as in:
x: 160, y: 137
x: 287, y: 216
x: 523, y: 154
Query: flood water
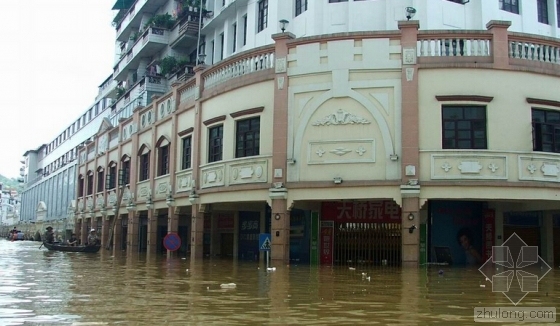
x: 39, y: 287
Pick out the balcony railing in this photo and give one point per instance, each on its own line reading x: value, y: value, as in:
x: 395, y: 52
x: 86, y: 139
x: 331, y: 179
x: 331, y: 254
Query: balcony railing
x: 462, y: 45
x: 526, y: 47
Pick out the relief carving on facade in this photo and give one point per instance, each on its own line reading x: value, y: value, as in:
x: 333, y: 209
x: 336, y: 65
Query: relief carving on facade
x: 341, y: 117
x: 539, y: 168
x: 89, y: 203
x: 461, y: 166
x: 112, y: 199
x: 341, y: 151
x: 550, y: 170
x: 100, y: 202
x: 163, y: 187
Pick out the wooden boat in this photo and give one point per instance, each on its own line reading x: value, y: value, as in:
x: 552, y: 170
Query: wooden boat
x: 61, y: 247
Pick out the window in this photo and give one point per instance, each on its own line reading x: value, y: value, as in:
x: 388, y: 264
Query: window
x: 126, y: 172
x: 558, y: 12
x: 542, y: 11
x: 213, y: 49
x: 187, y: 153
x: 247, y: 137
x: 112, y: 177
x: 245, y: 29
x: 234, y: 38
x: 335, y: 1
x: 510, y: 5
x: 90, y: 183
x: 222, y: 49
x: 263, y: 15
x: 546, y: 130
x: 144, y: 167
x: 100, y: 180
x: 301, y: 6
x: 215, y: 144
x: 163, y: 160
x: 81, y: 186
x: 464, y: 127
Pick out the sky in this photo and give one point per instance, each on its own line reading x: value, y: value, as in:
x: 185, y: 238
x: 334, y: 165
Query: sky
x: 55, y: 54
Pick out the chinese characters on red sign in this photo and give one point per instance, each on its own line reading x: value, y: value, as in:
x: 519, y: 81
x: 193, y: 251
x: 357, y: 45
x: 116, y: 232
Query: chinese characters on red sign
x: 327, y: 239
x: 488, y: 232
x: 386, y: 211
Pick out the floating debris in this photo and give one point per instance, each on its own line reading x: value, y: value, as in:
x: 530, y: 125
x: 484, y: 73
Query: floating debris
x: 228, y: 286
x: 352, y: 268
x: 271, y: 269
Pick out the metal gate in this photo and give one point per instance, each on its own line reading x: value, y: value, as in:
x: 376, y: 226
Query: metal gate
x: 367, y: 244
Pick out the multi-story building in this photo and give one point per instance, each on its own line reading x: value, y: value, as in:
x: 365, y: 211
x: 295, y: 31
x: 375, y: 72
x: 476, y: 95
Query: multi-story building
x: 354, y: 132
x: 49, y: 171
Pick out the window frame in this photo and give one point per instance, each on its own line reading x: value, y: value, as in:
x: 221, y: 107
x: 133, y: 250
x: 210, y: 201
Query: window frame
x: 100, y: 179
x: 186, y: 152
x: 163, y: 160
x: 144, y: 166
x: 510, y: 6
x: 247, y: 150
x: 262, y: 16
x: 215, y: 143
x: 300, y: 7
x: 89, y: 186
x: 542, y: 12
x: 457, y: 130
x: 538, y: 145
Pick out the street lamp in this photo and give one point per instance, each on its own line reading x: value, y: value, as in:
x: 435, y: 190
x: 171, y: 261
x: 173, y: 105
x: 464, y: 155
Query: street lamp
x: 283, y: 24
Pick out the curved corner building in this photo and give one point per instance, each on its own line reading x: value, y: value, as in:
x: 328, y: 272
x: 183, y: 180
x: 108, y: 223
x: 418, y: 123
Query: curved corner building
x: 352, y: 133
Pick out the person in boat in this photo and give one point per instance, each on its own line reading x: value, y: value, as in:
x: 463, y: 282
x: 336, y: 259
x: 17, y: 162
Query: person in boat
x: 13, y: 234
x: 49, y: 235
x: 93, y: 239
x: 73, y: 241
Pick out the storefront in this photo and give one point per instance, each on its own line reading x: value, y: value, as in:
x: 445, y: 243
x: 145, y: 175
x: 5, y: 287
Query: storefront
x: 360, y: 233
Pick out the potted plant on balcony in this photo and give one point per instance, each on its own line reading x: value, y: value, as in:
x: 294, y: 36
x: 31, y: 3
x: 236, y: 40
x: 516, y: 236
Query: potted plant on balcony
x: 161, y: 21
x: 120, y: 91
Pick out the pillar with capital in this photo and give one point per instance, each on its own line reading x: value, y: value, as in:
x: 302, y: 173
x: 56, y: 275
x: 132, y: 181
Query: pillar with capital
x: 152, y: 231
x: 133, y: 229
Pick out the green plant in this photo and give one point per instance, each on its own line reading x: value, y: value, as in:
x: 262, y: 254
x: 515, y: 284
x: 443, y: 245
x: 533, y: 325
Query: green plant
x: 162, y: 21
x: 134, y: 36
x: 120, y: 91
x: 168, y: 65
x: 193, y: 3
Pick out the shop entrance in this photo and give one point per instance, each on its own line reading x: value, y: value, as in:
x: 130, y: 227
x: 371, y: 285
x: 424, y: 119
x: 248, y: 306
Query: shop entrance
x: 367, y: 244
x: 361, y: 233
x: 226, y: 245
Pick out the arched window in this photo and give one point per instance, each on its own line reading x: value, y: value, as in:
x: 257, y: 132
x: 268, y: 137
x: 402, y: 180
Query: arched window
x: 89, y: 183
x: 144, y: 163
x: 125, y: 168
x: 100, y: 178
x: 111, y: 178
x: 162, y: 156
x: 81, y: 186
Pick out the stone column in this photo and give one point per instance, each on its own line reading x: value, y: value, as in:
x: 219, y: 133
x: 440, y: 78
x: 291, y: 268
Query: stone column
x: 117, y: 238
x: 152, y: 232
x: 105, y: 225
x: 500, y: 46
x: 133, y: 228
x: 172, y: 226
x: 280, y: 228
x: 410, y: 156
x: 197, y: 219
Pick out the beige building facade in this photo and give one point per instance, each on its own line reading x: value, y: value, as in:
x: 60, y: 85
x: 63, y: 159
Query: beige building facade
x: 354, y: 148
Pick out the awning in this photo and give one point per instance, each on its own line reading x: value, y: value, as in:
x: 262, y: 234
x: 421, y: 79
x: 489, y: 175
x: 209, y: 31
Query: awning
x: 123, y: 4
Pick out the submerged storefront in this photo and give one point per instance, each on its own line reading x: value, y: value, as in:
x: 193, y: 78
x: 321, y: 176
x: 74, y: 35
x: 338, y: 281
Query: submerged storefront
x: 360, y: 233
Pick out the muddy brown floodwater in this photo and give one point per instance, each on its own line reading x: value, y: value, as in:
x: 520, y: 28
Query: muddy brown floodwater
x: 39, y: 287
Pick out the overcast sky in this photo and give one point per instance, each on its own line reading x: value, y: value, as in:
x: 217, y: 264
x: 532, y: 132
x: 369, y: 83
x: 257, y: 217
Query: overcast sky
x: 54, y: 54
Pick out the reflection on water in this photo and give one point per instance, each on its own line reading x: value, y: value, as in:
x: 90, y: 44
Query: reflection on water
x: 39, y: 287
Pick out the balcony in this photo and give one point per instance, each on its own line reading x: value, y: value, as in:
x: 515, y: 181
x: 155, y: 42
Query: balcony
x: 186, y: 30
x: 223, y: 12
x: 137, y: 95
x: 151, y: 42
x: 133, y: 18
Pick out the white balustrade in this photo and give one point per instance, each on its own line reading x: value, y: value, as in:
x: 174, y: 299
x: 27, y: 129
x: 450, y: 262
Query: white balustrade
x: 534, y: 51
x: 453, y: 47
x: 187, y: 94
x: 244, y: 66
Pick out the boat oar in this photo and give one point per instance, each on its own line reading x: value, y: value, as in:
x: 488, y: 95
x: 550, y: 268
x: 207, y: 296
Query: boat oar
x: 41, y: 245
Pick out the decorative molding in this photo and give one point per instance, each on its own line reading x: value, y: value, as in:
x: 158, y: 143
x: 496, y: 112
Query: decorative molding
x: 469, y: 98
x: 247, y: 112
x: 281, y: 65
x: 539, y: 168
x: 409, y: 74
x: 214, y: 120
x: 341, y: 117
x: 409, y: 56
x: 461, y: 166
x: 185, y: 132
x: 249, y: 171
x: 280, y: 82
x: 538, y: 101
x: 333, y: 151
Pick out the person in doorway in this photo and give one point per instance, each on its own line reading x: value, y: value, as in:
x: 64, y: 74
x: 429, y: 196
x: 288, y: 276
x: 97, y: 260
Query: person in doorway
x: 465, y: 240
x: 49, y: 235
x: 93, y: 239
x: 73, y: 241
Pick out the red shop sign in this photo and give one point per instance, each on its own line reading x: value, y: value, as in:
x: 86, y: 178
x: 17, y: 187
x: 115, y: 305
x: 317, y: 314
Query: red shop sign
x: 327, y: 241
x: 386, y: 211
x: 488, y: 232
